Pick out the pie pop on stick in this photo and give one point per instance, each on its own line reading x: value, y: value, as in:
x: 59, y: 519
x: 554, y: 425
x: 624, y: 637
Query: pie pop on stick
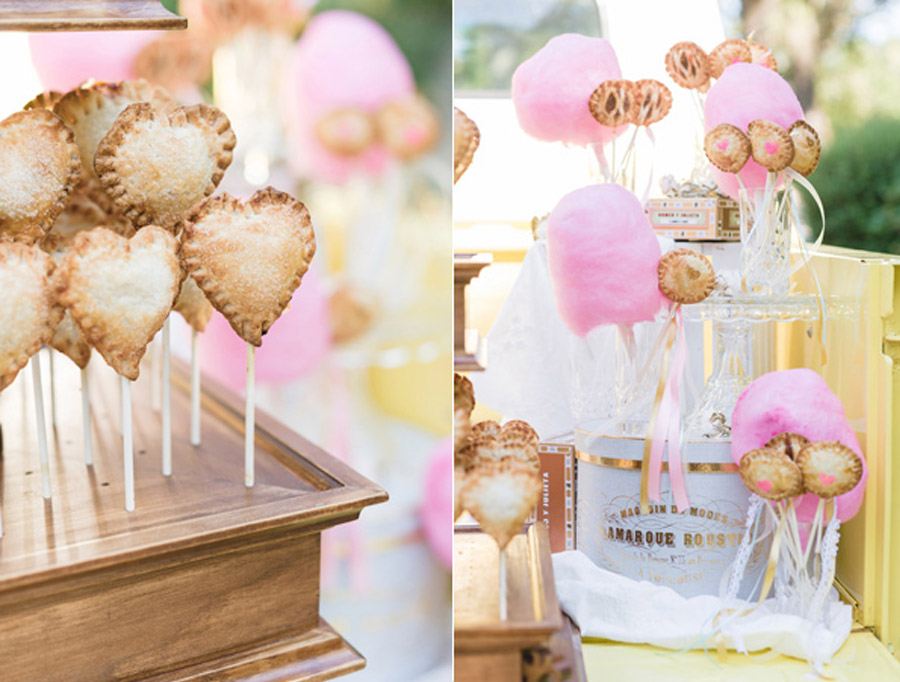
x: 196, y: 310
x: 119, y: 292
x: 248, y: 258
x: 25, y: 276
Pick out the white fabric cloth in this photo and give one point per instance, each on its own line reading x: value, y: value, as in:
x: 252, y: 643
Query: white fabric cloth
x: 610, y: 606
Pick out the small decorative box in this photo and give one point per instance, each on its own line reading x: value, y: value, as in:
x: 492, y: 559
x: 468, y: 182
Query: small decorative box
x: 556, y: 510
x: 695, y: 218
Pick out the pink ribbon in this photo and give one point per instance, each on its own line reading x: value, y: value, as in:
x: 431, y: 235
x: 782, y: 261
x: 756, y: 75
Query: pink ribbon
x: 667, y: 429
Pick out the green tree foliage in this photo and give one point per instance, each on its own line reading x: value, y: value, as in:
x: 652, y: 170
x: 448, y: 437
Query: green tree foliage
x: 858, y: 179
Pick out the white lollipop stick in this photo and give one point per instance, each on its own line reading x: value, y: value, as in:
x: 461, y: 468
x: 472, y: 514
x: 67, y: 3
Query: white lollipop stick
x: 52, y: 388
x: 41, y: 425
x: 502, y: 587
x: 86, y: 419
x: 249, y: 420
x: 166, y: 403
x: 155, y: 384
x: 195, y: 388
x: 127, y: 444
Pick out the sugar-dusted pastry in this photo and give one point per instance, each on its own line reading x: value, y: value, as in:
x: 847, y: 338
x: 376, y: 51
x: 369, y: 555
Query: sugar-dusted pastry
x: 39, y: 168
x: 727, y: 147
x: 770, y: 145
x: 518, y: 431
x: 156, y: 165
x: 500, y: 496
x: 686, y: 276
x: 176, y: 60
x: 29, y: 314
x: 788, y: 444
x: 829, y: 468
x: 120, y: 291
x: 807, y: 147
x: 688, y: 65
x: 760, y: 54
x: 44, y: 100
x: 350, y: 317
x: 346, y: 132
x: 193, y: 305
x: 90, y: 111
x: 612, y: 103
x: 407, y: 126
x: 516, y: 441
x: 770, y: 474
x: 462, y: 428
x: 463, y: 393
x: 466, y: 138
x: 82, y: 213
x: 249, y: 257
x: 653, y: 100
x: 484, y: 430
x: 67, y: 337
x: 726, y: 53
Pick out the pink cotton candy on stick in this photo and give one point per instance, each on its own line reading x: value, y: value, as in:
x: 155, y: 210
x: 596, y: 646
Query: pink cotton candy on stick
x: 342, y: 60
x: 551, y: 89
x: 603, y: 259
x: 744, y: 93
x: 796, y: 401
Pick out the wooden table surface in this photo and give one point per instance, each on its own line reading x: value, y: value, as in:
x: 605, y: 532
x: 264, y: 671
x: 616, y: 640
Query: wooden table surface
x: 87, y: 15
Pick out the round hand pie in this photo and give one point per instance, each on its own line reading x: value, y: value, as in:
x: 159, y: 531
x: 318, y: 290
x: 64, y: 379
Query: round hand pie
x: 465, y: 141
x: 249, y: 257
x: 39, y: 168
x: 807, y: 147
x: 91, y: 110
x: 346, y: 132
x: 770, y: 474
x: 829, y: 468
x: 688, y: 65
x: 788, y: 444
x: 770, y: 145
x: 407, y: 127
x: 726, y: 53
x: 652, y: 102
x: 120, y: 291
x: 500, y: 496
x: 612, y: 103
x: 727, y: 147
x: 156, y: 165
x: 686, y: 276
x: 30, y: 314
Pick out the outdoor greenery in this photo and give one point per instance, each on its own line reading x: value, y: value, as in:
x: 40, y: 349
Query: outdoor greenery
x: 858, y: 179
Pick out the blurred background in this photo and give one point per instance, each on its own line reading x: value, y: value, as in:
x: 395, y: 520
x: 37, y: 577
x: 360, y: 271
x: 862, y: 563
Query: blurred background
x: 840, y: 56
x: 359, y: 362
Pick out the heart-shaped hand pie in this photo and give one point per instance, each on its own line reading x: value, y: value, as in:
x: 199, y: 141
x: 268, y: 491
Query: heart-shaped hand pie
x: 30, y: 315
x: 500, y: 496
x: 248, y: 258
x: 67, y: 337
x: 465, y: 141
x: 120, y: 291
x: 156, y: 166
x: 39, y: 168
x: 193, y: 305
x: 407, y: 127
x: 91, y: 110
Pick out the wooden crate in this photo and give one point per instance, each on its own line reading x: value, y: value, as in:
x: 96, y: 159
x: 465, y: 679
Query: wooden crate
x: 468, y: 349
x: 485, y: 647
x: 206, y: 580
x: 87, y: 15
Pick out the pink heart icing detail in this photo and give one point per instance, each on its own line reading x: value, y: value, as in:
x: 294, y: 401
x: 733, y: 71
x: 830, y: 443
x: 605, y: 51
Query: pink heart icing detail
x: 826, y: 479
x: 722, y: 145
x: 765, y: 486
x: 771, y: 148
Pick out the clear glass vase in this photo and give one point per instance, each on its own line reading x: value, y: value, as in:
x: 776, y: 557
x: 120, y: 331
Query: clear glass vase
x: 765, y: 242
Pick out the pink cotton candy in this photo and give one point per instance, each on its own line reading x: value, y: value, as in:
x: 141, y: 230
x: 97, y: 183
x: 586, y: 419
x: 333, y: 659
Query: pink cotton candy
x: 551, y: 89
x: 437, y: 503
x: 603, y: 259
x: 798, y: 401
x: 342, y: 60
x: 744, y: 93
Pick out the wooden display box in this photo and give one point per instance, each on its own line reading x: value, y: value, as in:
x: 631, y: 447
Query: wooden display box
x: 87, y: 15
x: 487, y: 648
x: 206, y: 580
x: 469, y: 353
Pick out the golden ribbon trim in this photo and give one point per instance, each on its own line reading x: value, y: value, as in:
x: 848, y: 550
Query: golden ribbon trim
x: 637, y: 464
x: 772, y: 564
x: 671, y: 335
